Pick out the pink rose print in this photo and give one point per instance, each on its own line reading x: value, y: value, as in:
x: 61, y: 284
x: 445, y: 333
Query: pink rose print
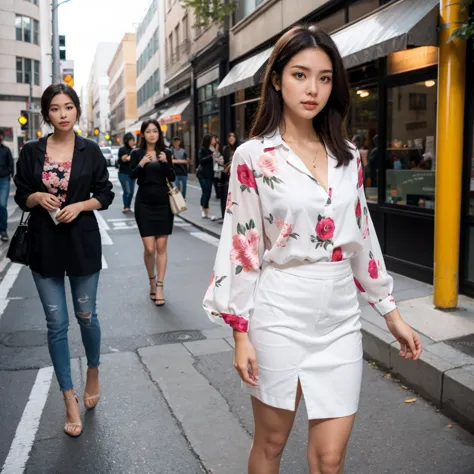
x: 236, y: 322
x: 373, y: 267
x: 330, y: 193
x: 324, y: 232
x: 359, y: 286
x: 229, y: 203
x: 366, y: 232
x: 268, y: 165
x: 329, y: 200
x: 286, y: 231
x: 246, y: 178
x: 336, y: 255
x: 270, y: 148
x: 358, y: 213
x: 244, y: 252
x: 372, y: 304
x: 361, y: 173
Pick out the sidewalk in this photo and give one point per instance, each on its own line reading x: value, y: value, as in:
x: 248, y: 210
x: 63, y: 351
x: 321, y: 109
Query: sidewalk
x: 444, y: 375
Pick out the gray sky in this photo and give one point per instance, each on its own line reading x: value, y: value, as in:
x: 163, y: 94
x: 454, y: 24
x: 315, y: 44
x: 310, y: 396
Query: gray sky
x: 89, y: 22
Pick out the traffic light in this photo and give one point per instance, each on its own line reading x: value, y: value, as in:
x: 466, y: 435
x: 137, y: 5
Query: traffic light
x: 68, y: 78
x: 96, y: 131
x: 23, y: 120
x: 39, y: 133
x: 62, y: 47
x: 107, y: 136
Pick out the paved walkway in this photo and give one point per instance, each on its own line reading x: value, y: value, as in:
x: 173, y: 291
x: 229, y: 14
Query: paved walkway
x: 445, y: 373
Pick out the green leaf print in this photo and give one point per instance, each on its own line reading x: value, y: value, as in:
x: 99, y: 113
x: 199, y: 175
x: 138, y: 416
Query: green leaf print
x: 251, y: 224
x: 219, y: 281
x: 270, y: 218
x: 238, y: 269
x: 240, y: 229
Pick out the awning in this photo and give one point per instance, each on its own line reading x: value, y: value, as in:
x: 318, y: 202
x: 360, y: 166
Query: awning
x: 398, y: 26
x: 244, y: 74
x: 174, y: 113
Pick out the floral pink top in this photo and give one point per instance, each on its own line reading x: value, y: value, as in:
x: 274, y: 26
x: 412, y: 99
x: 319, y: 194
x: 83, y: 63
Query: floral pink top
x: 56, y: 177
x: 277, y: 212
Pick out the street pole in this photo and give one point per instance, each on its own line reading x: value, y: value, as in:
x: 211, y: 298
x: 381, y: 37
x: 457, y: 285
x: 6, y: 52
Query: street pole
x: 449, y: 153
x: 30, y: 108
x: 55, y: 31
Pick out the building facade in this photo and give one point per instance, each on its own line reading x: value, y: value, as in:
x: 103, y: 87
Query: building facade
x: 98, y: 85
x: 394, y: 87
x: 122, y: 74
x: 25, y: 42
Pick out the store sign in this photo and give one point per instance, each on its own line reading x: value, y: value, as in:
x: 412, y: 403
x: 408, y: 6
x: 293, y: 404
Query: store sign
x: 412, y: 59
x: 171, y: 119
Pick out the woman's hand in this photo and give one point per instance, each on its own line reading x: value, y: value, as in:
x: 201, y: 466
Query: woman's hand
x: 410, y: 342
x: 244, y: 355
x: 69, y: 213
x: 145, y: 160
x: 48, y: 201
x: 162, y: 157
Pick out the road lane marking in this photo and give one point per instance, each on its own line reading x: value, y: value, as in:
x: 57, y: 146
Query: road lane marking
x: 194, y: 187
x: 101, y: 221
x: 29, y: 424
x: 7, y: 284
x: 123, y: 219
x: 104, y: 263
x: 206, y: 238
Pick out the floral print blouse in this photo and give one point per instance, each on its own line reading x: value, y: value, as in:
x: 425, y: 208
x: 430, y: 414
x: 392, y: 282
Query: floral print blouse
x: 277, y: 212
x: 56, y: 177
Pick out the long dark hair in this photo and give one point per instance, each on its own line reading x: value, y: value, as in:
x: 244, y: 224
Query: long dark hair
x: 206, y: 141
x: 160, y: 144
x: 51, y: 92
x: 236, y: 144
x: 126, y: 139
x: 329, y: 123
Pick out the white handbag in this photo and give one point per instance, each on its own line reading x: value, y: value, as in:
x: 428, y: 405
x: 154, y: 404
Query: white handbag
x: 177, y: 201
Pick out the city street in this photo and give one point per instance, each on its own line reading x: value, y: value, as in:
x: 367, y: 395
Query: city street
x: 171, y: 399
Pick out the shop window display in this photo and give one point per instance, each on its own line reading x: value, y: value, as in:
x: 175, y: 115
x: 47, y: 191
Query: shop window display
x: 410, y: 159
x: 363, y: 131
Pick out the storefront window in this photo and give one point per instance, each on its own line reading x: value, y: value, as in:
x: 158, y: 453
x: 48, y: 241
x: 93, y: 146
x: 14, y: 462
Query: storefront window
x: 361, y: 8
x: 208, y: 110
x: 471, y: 184
x: 470, y: 257
x: 411, y: 144
x: 363, y: 128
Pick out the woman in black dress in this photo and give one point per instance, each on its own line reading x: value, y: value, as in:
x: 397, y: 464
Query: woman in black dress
x: 151, y: 165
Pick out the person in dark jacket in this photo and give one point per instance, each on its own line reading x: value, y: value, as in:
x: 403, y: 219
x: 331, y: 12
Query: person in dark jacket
x: 152, y: 165
x: 6, y: 172
x: 124, y: 171
x: 205, y: 173
x: 56, y: 176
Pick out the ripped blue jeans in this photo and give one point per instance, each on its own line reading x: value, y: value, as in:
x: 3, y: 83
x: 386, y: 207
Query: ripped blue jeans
x: 52, y: 293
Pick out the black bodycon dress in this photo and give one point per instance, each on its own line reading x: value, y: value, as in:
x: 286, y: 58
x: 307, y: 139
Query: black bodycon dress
x: 152, y: 206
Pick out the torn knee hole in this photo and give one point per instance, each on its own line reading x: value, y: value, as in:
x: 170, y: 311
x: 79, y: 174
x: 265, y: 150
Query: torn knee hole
x: 85, y: 317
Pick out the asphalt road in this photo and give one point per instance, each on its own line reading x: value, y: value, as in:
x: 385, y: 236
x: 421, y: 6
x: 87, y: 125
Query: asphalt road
x: 171, y: 400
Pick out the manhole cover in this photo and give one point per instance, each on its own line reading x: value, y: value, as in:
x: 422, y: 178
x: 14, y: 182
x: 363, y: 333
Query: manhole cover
x: 464, y: 344
x: 24, y: 339
x: 177, y: 336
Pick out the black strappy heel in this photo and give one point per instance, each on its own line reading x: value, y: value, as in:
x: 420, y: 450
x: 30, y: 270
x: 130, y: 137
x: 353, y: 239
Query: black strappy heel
x: 159, y: 301
x: 152, y: 294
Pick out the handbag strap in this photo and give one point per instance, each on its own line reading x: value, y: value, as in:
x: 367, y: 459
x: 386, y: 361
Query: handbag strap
x: 26, y: 220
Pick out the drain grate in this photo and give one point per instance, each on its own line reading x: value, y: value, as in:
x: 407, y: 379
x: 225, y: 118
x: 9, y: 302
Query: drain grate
x: 173, y: 337
x: 464, y: 344
x: 24, y: 339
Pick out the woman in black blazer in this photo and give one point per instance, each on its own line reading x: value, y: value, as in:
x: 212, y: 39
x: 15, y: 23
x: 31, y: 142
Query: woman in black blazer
x: 205, y: 173
x: 56, y: 176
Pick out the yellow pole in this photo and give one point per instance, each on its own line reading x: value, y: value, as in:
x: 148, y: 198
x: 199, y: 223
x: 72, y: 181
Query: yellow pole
x: 449, y: 154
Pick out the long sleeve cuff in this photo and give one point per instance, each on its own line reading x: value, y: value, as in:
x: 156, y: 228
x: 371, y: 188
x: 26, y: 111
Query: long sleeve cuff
x: 384, y: 306
x: 236, y: 322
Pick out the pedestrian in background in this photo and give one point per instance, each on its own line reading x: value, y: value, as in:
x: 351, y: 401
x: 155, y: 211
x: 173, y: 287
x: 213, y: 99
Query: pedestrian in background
x: 56, y: 176
x: 180, y: 163
x: 218, y: 166
x: 124, y: 171
x: 228, y: 153
x: 152, y: 166
x: 297, y: 237
x: 205, y: 173
x: 6, y: 173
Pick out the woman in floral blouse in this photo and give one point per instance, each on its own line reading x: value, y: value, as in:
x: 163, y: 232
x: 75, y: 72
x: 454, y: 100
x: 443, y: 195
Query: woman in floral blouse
x: 296, y: 236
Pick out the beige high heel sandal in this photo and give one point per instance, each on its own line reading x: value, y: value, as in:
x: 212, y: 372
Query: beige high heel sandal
x: 71, y: 429
x: 87, y: 399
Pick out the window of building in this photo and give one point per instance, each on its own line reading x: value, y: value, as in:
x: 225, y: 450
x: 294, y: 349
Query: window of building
x: 332, y: 22
x: 363, y: 130
x: 19, y: 28
x: 471, y: 186
x: 19, y: 70
x: 244, y: 9
x: 35, y: 31
x: 410, y: 160
x: 27, y: 64
x: 26, y: 29
x: 361, y: 8
x: 37, y: 73
x: 185, y: 27
x: 171, y: 49
x: 176, y: 36
x: 208, y: 110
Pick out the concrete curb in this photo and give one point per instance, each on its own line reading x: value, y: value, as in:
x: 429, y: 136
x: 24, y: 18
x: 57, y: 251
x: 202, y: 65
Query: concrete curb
x: 443, y: 375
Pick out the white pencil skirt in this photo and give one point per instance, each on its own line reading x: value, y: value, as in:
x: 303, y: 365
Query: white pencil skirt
x: 306, y: 327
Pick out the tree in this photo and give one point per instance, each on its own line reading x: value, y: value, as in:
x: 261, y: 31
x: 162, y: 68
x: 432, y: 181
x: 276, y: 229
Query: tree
x: 209, y: 12
x: 467, y: 29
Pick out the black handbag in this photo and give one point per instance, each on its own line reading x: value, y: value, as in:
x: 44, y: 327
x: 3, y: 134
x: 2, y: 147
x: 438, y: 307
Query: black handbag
x: 18, y: 249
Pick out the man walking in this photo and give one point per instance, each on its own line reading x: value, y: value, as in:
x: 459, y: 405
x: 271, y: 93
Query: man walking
x: 180, y: 162
x: 6, y: 172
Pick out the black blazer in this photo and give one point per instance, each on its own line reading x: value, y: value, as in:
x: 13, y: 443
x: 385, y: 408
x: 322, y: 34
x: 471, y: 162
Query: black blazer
x: 206, y: 162
x: 75, y: 248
